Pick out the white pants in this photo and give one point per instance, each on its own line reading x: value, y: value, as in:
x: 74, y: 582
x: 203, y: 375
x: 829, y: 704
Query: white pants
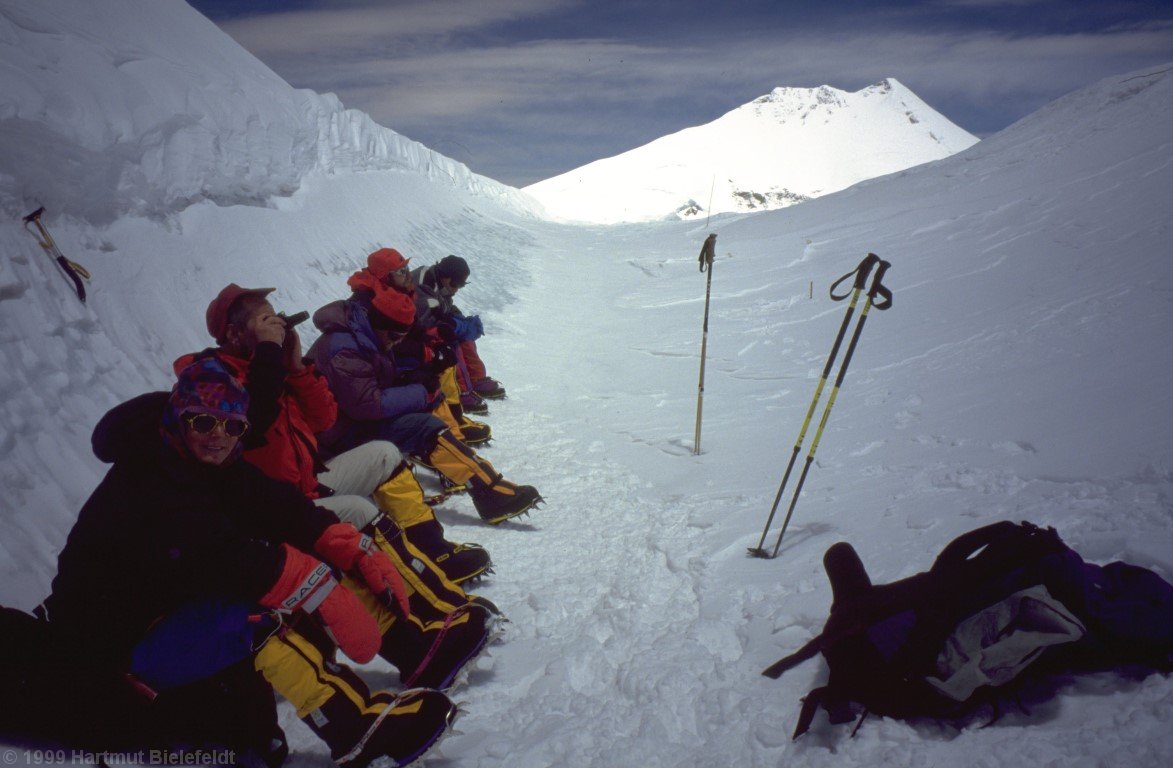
x: 354, y: 476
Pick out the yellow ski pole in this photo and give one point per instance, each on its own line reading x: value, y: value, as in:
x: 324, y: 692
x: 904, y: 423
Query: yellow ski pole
x: 886, y: 301
x: 860, y: 274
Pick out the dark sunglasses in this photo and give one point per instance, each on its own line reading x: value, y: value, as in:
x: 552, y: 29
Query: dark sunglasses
x: 205, y: 423
x: 404, y: 271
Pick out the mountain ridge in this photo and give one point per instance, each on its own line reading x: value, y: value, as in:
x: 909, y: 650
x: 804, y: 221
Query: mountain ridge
x: 784, y: 147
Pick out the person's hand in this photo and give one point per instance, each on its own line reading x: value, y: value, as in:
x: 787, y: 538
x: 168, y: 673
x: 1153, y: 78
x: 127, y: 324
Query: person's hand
x: 291, y: 349
x: 447, y: 329
x: 307, y: 584
x: 270, y: 328
x: 443, y: 358
x: 383, y: 578
x: 426, y: 376
x: 348, y: 550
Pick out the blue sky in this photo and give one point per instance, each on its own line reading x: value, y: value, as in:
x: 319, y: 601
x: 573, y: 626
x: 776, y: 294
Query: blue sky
x: 521, y: 90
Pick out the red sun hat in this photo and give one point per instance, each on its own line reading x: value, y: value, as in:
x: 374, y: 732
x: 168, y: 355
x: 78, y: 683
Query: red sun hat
x: 384, y: 261
x: 218, y: 310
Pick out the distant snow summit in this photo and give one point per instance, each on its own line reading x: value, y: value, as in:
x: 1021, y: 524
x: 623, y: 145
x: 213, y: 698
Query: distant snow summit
x: 785, y: 147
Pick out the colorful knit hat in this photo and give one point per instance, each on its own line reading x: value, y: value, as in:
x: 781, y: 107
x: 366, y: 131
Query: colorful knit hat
x: 205, y: 386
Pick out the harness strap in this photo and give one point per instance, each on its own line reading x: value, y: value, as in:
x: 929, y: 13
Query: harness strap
x: 451, y: 617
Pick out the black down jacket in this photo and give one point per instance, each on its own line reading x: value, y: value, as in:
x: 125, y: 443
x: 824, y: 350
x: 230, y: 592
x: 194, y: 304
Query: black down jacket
x: 162, y: 529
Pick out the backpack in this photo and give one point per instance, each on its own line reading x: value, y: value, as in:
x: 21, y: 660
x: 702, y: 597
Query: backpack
x: 996, y: 601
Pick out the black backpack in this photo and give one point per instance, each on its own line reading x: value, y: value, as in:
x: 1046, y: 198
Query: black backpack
x: 890, y: 648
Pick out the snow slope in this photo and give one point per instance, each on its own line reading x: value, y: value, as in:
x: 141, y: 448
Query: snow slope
x: 1021, y: 374
x: 790, y: 145
x: 94, y: 126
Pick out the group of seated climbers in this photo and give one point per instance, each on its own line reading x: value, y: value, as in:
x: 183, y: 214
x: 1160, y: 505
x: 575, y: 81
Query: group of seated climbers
x: 263, y: 514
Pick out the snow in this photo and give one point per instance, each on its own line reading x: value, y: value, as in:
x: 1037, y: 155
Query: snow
x: 1022, y: 373
x: 95, y: 126
x: 790, y: 145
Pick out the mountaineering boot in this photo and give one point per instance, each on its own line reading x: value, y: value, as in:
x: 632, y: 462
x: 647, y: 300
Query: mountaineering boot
x: 452, y: 413
x: 411, y: 724
x: 460, y: 562
x: 489, y: 388
x: 432, y: 596
x: 444, y: 413
x: 471, y: 402
x: 402, y: 500
x: 401, y: 727
x: 336, y: 704
x: 433, y: 658
x: 475, y: 432
x: 500, y: 500
x: 495, y: 498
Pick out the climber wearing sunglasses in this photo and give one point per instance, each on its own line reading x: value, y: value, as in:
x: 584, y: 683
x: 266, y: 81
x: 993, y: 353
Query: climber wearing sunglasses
x: 204, y: 423
x: 212, y: 438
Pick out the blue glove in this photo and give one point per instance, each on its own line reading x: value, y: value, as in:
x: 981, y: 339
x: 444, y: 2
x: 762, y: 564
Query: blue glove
x: 468, y: 328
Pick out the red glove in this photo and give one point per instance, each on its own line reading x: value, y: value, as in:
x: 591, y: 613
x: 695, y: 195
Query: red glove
x: 308, y: 584
x: 347, y: 549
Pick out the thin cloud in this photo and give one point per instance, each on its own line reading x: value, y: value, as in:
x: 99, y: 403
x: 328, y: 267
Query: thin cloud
x: 465, y: 82
x: 445, y: 73
x: 380, y: 26
x: 454, y: 83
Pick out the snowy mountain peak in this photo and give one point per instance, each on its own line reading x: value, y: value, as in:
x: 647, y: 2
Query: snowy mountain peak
x: 787, y: 100
x: 785, y: 147
x: 783, y: 101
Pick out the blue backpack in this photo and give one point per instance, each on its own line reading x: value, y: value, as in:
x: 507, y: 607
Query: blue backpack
x: 1000, y: 604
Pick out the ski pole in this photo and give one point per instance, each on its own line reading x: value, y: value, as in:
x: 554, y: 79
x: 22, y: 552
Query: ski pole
x: 73, y: 271
x: 886, y: 301
x: 861, y: 273
x: 707, y: 255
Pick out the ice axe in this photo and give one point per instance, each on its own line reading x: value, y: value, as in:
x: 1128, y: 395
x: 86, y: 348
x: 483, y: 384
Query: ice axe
x: 73, y: 271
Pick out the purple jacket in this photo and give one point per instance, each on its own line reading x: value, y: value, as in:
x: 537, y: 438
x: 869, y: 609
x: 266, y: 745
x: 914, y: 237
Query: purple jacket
x: 363, y: 378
